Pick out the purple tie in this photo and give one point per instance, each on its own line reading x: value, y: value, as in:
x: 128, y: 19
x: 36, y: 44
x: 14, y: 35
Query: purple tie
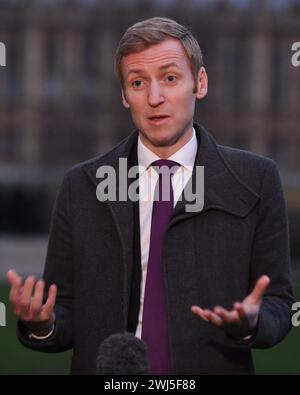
x: 154, y: 325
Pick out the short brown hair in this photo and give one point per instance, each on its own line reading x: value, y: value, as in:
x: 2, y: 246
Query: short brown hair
x: 152, y: 31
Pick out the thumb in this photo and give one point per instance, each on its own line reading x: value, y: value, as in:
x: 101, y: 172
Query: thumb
x: 260, y: 287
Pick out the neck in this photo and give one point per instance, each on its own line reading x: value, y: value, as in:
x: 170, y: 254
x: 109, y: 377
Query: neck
x: 164, y: 152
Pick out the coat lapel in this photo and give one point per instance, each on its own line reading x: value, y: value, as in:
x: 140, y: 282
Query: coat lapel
x: 223, y: 190
x: 122, y: 211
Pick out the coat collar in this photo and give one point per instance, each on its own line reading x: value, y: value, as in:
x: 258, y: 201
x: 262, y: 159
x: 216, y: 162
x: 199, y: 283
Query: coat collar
x: 223, y: 188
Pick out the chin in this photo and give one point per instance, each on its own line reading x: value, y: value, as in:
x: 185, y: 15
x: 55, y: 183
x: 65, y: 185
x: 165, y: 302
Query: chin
x: 163, y: 142
x: 162, y: 137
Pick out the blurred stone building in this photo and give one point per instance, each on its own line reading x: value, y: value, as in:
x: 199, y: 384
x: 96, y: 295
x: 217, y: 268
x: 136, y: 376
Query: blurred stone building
x: 60, y: 102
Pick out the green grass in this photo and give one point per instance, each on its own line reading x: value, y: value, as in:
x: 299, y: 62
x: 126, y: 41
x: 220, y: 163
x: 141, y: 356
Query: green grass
x: 16, y: 359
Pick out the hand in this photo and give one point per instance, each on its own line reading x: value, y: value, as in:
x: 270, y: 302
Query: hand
x: 241, y: 321
x: 28, y: 306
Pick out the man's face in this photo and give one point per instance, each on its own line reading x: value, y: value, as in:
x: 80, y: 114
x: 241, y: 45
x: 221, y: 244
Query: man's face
x: 159, y: 90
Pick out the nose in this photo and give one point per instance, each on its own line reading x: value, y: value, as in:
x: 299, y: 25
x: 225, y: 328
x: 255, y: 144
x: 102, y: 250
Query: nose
x: 155, y: 94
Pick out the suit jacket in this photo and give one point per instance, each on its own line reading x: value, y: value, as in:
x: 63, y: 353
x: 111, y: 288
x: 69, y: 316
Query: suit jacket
x: 211, y: 257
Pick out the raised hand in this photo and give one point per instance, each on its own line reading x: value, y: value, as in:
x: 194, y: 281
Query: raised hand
x: 241, y: 321
x: 27, y: 302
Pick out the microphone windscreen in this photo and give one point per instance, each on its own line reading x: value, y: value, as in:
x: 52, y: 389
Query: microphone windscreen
x: 122, y: 354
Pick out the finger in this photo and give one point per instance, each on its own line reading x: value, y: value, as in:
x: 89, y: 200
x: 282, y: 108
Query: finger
x: 200, y: 312
x: 13, y: 277
x: 214, y: 318
x: 50, y: 303
x: 25, y: 297
x: 259, y: 289
x: 228, y: 317
x: 37, y: 299
x: 241, y: 310
x: 16, y: 286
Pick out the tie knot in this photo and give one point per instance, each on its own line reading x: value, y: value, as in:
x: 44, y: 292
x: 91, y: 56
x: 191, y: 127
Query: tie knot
x: 165, y: 166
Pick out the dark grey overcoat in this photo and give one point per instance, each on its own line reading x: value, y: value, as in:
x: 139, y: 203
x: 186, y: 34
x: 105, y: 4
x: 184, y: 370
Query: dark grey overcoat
x: 212, y: 257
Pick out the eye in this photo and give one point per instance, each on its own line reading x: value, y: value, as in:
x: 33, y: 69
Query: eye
x: 171, y: 78
x: 137, y: 84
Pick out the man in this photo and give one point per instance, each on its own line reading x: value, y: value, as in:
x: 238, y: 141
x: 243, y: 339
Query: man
x: 200, y: 287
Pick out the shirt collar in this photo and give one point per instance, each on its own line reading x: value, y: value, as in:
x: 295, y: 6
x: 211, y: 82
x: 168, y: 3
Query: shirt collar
x: 185, y: 156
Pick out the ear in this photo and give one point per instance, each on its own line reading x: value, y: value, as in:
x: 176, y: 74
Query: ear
x: 202, y: 83
x: 125, y: 102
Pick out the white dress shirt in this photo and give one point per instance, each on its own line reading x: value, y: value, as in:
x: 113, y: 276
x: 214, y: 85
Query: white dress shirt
x: 148, y: 178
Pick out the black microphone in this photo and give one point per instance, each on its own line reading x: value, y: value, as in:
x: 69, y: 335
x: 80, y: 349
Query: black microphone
x: 122, y: 353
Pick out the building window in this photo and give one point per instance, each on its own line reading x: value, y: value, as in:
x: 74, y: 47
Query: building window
x: 240, y: 75
x: 53, y: 82
x: 14, y: 63
x: 276, y: 78
x: 89, y: 75
x: 9, y: 144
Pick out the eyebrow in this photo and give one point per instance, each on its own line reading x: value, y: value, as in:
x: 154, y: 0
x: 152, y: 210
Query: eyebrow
x: 169, y: 65
x: 163, y: 67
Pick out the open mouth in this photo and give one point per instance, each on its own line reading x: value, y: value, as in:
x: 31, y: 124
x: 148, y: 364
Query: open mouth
x: 158, y: 118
